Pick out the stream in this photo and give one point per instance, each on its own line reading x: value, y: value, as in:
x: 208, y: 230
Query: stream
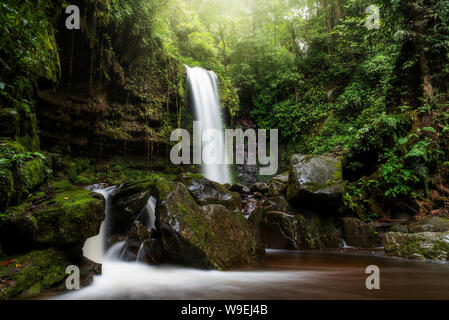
x: 289, y: 275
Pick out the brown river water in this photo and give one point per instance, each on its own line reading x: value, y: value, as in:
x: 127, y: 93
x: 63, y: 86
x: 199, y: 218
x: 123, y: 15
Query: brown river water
x: 290, y: 275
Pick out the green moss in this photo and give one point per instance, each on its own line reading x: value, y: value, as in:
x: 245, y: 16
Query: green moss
x: 31, y: 272
x: 6, y: 183
x: 9, y: 148
x: 67, y: 219
x: 27, y: 176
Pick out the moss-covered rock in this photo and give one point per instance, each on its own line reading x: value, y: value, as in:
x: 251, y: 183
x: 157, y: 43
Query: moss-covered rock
x: 429, y: 224
x: 212, y: 236
x: 208, y: 192
x: 28, y: 175
x: 358, y: 233
x: 32, y: 272
x: 6, y: 183
x: 315, y: 180
x: 64, y: 219
x: 422, y: 245
x: 9, y: 148
x: 278, y: 185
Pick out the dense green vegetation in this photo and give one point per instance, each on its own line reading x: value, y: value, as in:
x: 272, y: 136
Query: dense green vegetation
x: 311, y: 69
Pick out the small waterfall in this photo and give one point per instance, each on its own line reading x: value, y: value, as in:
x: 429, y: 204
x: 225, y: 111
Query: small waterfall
x: 148, y: 215
x: 205, y: 95
x: 95, y: 247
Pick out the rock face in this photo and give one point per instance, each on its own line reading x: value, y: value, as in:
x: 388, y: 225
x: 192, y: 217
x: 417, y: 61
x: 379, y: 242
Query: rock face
x: 209, y: 236
x: 64, y: 220
x: 421, y: 245
x: 315, y: 181
x: 358, y: 233
x: 429, y: 224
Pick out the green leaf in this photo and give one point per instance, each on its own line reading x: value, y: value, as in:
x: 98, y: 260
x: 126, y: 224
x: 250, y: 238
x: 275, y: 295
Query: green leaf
x: 429, y: 129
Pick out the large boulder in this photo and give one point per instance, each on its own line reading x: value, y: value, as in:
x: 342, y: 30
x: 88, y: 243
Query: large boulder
x: 429, y: 224
x: 126, y: 204
x: 298, y: 231
x: 358, y: 233
x: 212, y: 236
x: 422, y: 245
x: 315, y: 181
x: 63, y: 219
x: 278, y: 185
x: 206, y: 192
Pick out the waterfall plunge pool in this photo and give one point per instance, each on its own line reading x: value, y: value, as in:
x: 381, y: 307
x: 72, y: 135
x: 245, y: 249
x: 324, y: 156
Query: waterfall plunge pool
x: 291, y: 275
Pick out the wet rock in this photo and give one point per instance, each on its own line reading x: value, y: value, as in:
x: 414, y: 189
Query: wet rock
x: 206, y: 192
x: 151, y: 252
x: 429, y: 224
x: 240, y: 188
x: 261, y: 187
x: 126, y: 204
x: 357, y: 233
x: 315, y: 181
x: 88, y: 269
x: 421, y: 245
x: 282, y: 230
x: 251, y: 205
x: 211, y: 236
x: 278, y: 185
x: 64, y: 220
x: 136, y: 237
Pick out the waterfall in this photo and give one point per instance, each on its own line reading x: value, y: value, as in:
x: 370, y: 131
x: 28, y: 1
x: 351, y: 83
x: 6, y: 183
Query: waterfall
x: 206, y: 102
x: 148, y: 214
x: 95, y: 247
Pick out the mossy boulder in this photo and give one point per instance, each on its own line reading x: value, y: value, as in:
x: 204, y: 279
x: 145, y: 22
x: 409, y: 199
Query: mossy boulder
x: 9, y: 148
x: 429, y: 224
x: 206, y: 192
x: 421, y: 245
x: 212, y: 236
x: 28, y: 176
x: 358, y: 233
x: 64, y: 219
x: 29, y: 273
x: 278, y: 185
x: 315, y: 181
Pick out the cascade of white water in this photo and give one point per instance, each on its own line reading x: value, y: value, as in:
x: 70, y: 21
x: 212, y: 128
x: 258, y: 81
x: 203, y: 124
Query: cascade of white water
x: 95, y: 247
x: 206, y: 102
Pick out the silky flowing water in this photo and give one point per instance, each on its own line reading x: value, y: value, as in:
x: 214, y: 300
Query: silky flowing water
x: 281, y: 275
